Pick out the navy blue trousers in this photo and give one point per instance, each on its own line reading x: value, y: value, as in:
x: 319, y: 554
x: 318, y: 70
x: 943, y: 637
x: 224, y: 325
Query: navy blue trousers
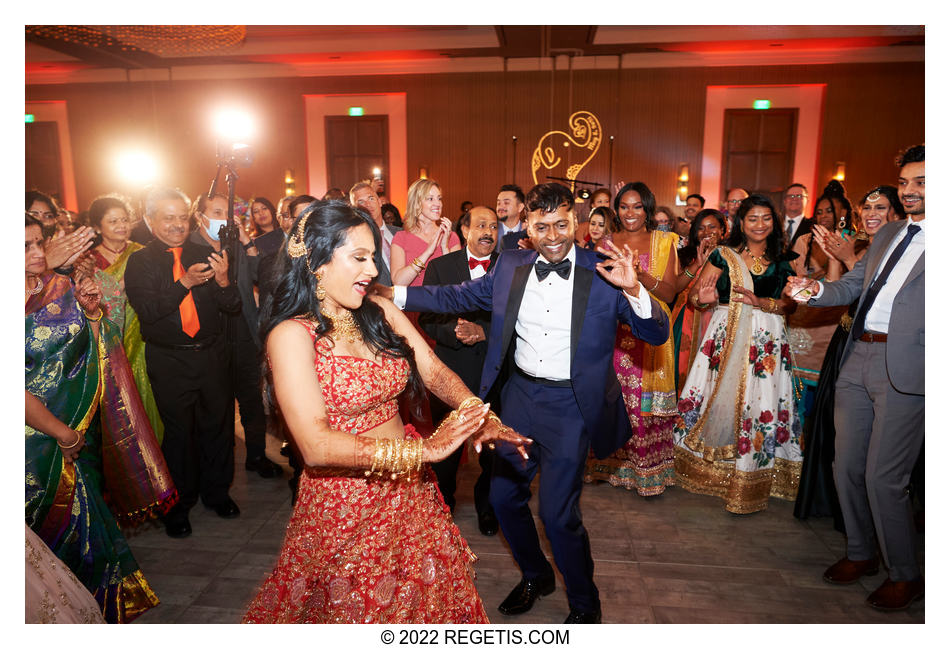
x: 550, y: 416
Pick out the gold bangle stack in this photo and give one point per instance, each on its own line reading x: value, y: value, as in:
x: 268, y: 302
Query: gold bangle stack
x: 91, y: 318
x: 418, y: 264
x: 397, y: 457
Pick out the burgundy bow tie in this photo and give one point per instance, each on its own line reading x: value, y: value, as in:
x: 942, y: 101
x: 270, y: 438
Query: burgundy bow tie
x: 472, y: 263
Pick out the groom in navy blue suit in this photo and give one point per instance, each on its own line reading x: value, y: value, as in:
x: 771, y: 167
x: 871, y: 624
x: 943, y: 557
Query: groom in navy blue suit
x: 550, y: 350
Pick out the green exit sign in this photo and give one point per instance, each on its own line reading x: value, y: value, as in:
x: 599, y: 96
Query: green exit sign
x: 356, y: 111
x: 30, y: 118
x: 761, y: 104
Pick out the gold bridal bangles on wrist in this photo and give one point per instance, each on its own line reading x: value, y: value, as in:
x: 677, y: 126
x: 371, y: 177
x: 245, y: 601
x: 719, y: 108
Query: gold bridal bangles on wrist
x: 397, y: 457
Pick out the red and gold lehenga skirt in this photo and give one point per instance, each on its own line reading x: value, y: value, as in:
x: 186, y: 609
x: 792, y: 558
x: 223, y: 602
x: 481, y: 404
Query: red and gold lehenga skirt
x: 370, y: 550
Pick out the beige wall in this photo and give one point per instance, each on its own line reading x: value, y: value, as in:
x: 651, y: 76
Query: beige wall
x: 460, y: 125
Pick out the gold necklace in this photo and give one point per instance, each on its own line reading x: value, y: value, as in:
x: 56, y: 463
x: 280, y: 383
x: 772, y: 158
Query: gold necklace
x: 36, y: 289
x: 757, y: 267
x: 343, y: 327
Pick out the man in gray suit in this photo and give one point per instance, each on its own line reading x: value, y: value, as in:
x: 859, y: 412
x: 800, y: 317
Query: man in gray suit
x: 363, y: 195
x: 879, y: 397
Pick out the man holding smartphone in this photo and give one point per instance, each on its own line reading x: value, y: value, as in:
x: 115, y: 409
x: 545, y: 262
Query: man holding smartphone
x: 179, y: 289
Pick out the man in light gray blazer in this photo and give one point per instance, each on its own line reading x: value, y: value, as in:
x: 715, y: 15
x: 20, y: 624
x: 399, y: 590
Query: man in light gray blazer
x: 363, y: 195
x: 879, y: 397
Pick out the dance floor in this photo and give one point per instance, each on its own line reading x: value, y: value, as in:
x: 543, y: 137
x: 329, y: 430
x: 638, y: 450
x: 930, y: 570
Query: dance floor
x: 677, y: 558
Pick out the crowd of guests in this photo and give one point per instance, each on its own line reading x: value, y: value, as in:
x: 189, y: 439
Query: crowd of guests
x: 143, y: 328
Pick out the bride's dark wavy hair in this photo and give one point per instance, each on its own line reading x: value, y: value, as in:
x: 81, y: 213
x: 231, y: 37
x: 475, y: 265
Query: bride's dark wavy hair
x: 328, y: 224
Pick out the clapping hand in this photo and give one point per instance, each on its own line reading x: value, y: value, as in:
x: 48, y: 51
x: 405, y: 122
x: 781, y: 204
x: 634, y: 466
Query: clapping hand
x: 706, y: 292
x: 841, y: 247
x: 623, y: 271
x: 88, y: 294
x: 62, y: 251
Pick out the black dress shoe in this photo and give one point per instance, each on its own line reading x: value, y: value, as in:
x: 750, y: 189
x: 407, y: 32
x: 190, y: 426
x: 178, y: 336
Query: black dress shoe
x: 487, y: 523
x: 177, y: 525
x: 264, y: 467
x: 226, y: 509
x: 521, y: 599
x: 582, y: 617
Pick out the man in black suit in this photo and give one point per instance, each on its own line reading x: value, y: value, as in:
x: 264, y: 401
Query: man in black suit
x: 180, y: 291
x: 461, y: 342
x: 511, y: 215
x: 795, y: 203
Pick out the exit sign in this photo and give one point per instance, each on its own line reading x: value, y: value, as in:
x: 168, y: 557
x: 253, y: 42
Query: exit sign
x: 355, y: 111
x: 761, y: 104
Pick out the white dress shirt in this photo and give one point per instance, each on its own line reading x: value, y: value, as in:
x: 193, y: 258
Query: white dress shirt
x: 505, y: 229
x: 879, y: 315
x: 543, y: 327
x: 387, y: 245
x: 478, y: 271
x: 797, y: 220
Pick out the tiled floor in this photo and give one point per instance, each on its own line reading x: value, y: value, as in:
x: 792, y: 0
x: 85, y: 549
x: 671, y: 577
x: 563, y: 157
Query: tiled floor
x: 675, y: 558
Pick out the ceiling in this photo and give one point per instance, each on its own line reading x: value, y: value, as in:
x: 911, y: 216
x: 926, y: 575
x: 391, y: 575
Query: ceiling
x: 61, y: 54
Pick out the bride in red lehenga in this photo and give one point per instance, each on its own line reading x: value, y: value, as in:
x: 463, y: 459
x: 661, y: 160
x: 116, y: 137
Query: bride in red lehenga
x: 370, y: 539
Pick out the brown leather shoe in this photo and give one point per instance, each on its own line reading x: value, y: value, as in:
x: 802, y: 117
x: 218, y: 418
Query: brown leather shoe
x: 847, y: 571
x: 896, y: 595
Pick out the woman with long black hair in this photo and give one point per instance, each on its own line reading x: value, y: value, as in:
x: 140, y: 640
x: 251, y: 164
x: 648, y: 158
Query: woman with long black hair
x: 370, y: 539
x: 738, y: 434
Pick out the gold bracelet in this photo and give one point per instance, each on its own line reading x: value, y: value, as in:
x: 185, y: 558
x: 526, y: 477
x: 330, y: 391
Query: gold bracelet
x: 74, y: 444
x: 92, y: 319
x: 418, y: 264
x: 468, y: 402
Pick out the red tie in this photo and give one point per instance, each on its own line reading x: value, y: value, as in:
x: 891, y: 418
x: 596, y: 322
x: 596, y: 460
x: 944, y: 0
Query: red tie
x: 187, y: 309
x: 472, y: 263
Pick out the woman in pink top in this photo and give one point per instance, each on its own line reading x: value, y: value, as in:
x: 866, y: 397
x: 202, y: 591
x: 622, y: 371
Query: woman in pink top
x: 426, y: 235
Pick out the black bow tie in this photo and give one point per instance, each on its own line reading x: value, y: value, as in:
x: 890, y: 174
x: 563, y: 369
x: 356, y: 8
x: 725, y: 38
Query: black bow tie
x: 562, y: 268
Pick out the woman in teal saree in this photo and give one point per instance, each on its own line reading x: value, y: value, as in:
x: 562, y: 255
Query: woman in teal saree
x: 88, y: 442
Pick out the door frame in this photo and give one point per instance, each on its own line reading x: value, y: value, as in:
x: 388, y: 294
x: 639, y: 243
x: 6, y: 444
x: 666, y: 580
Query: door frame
x: 392, y: 104
x: 808, y: 98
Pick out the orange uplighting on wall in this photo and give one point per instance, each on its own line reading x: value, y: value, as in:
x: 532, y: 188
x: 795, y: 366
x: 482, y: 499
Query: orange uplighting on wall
x: 423, y: 172
x: 839, y: 172
x: 682, y: 184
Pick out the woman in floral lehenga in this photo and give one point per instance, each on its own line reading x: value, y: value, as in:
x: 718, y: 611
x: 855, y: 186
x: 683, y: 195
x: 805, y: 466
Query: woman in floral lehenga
x: 86, y: 434
x: 739, y: 436
x: 645, y: 372
x: 111, y: 216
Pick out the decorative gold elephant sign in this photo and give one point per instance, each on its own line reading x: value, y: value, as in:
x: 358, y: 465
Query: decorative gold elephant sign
x: 556, y: 147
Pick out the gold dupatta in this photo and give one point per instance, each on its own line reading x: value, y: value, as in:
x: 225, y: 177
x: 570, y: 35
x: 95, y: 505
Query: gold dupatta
x: 659, y: 375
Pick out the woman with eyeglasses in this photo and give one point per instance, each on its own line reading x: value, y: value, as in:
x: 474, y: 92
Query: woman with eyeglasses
x: 645, y: 372
x: 817, y: 495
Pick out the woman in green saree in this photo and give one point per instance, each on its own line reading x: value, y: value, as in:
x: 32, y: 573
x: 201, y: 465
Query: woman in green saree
x: 88, y: 441
x: 111, y: 216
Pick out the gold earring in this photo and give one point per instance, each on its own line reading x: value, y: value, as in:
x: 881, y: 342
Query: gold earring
x: 320, y: 292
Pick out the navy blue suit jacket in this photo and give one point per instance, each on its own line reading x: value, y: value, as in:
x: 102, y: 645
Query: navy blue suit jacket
x: 597, y: 307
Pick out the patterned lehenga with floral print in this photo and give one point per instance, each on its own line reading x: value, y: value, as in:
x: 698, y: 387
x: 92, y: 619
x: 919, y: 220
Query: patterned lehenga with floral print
x: 364, y: 549
x: 738, y: 434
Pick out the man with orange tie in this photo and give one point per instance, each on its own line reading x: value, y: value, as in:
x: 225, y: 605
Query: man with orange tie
x: 179, y: 290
